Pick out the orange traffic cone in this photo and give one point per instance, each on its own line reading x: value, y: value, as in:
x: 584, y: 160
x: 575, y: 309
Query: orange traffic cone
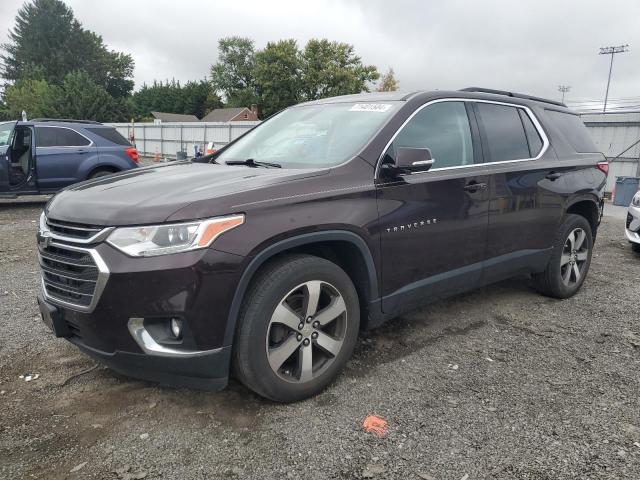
x: 156, y: 158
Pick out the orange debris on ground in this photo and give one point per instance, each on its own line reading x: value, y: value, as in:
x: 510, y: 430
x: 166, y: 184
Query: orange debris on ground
x: 375, y: 425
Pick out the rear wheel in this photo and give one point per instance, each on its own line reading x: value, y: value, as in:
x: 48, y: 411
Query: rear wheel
x: 100, y: 173
x: 297, y: 329
x: 570, y: 260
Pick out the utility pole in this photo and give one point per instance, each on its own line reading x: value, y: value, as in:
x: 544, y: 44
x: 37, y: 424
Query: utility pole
x: 611, y: 51
x: 564, y: 89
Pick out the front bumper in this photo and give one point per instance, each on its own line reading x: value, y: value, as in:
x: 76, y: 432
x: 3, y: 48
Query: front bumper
x: 632, y: 225
x: 197, y: 287
x: 207, y: 371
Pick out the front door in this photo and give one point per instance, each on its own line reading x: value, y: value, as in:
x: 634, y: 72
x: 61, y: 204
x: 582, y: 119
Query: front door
x: 434, y: 224
x: 6, y: 134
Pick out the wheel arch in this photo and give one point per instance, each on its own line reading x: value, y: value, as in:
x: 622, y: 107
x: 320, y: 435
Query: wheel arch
x: 339, y: 246
x: 103, y: 167
x: 587, y: 207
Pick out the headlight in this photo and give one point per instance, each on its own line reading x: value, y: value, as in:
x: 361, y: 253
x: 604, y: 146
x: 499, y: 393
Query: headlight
x: 148, y: 241
x: 636, y: 200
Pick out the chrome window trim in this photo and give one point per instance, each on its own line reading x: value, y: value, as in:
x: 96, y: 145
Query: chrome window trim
x: 91, y: 144
x: 534, y: 119
x: 101, y: 281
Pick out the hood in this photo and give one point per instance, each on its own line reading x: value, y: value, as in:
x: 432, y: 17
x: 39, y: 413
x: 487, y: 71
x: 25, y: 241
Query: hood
x: 151, y: 194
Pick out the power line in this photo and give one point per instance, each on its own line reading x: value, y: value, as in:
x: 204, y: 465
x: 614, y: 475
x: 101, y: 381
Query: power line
x: 564, y: 89
x: 611, y: 51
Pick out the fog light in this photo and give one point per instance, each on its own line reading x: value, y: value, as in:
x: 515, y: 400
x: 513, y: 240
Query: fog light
x: 176, y: 327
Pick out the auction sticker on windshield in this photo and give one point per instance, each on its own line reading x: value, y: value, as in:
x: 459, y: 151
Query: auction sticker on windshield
x: 370, y: 107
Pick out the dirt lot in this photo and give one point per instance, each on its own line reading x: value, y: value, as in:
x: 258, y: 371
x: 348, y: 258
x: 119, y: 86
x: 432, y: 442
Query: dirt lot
x: 499, y: 383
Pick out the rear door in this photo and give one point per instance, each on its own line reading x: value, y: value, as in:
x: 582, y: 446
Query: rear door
x: 525, y: 207
x: 59, y: 153
x: 434, y: 224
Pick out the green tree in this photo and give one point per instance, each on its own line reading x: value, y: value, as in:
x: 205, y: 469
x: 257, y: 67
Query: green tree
x: 233, y: 75
x: 47, y: 38
x: 80, y: 97
x: 194, y: 98
x: 332, y: 68
x: 388, y: 82
x: 36, y: 97
x: 277, y: 75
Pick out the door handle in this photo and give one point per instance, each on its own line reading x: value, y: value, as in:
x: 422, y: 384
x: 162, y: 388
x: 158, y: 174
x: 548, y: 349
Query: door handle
x: 553, y: 176
x: 474, y: 187
x: 81, y: 151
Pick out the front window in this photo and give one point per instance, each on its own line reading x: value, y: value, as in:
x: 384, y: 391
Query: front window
x: 5, y: 132
x: 442, y: 127
x: 311, y: 135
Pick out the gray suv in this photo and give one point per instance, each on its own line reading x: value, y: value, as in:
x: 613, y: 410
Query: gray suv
x: 45, y: 155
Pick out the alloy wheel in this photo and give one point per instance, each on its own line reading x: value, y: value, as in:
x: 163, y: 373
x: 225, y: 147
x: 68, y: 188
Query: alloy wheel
x: 306, y: 331
x: 575, y: 254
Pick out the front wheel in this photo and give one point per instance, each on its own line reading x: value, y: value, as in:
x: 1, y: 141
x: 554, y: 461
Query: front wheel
x: 570, y: 260
x: 297, y: 329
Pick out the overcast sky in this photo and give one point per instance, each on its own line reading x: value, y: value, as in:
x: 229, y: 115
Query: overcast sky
x: 528, y: 47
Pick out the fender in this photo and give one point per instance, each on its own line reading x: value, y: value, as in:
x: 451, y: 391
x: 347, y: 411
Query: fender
x: 595, y: 197
x: 96, y: 162
x: 283, y: 245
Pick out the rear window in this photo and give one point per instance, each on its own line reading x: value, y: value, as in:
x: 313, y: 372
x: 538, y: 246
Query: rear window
x: 60, y: 137
x: 110, y: 134
x: 533, y: 137
x: 573, y: 130
x: 504, y: 132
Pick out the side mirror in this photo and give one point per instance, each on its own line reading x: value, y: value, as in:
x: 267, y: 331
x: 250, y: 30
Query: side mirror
x: 410, y: 160
x: 413, y: 160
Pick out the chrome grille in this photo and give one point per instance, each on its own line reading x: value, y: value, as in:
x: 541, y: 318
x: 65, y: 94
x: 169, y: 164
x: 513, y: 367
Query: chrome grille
x: 71, y: 276
x: 73, y: 231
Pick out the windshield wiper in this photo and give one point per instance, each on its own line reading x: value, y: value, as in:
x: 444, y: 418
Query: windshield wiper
x: 250, y: 162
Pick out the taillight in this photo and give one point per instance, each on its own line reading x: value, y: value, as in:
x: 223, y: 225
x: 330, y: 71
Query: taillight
x: 603, y: 167
x: 133, y: 153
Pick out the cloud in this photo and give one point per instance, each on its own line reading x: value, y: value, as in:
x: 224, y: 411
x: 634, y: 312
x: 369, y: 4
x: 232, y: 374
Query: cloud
x: 522, y: 46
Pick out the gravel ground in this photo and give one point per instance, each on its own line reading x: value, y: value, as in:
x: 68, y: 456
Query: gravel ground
x: 499, y: 383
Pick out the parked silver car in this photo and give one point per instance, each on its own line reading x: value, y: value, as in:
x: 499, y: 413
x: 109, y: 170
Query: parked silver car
x: 632, y: 230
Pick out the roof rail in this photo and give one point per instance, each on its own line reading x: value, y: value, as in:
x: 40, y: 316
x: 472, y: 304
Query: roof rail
x: 67, y: 120
x: 512, y: 94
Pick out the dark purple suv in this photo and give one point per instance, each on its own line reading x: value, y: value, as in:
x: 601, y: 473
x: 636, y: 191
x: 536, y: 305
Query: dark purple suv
x: 268, y: 258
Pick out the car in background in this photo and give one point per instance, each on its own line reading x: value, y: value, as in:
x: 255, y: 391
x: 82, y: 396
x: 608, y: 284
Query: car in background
x: 632, y: 230
x: 43, y: 155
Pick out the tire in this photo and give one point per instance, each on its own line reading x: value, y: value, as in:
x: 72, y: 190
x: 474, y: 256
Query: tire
x: 635, y: 247
x: 270, y: 324
x: 560, y: 280
x: 99, y: 173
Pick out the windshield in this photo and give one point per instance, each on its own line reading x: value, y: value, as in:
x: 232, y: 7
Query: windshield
x: 5, y: 132
x: 312, y: 135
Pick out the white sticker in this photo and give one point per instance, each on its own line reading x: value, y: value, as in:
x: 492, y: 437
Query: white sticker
x: 370, y: 107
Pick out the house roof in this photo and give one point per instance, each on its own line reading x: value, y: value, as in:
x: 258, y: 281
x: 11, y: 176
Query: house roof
x: 174, y: 117
x: 223, y: 114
